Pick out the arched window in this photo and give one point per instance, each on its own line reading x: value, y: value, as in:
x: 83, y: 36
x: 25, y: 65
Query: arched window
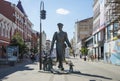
x: 10, y: 33
x: 4, y: 32
x: 0, y: 29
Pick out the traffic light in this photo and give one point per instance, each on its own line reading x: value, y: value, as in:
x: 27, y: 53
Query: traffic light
x: 43, y: 14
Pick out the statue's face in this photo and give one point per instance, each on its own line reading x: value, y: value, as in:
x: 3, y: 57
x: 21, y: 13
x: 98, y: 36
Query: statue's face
x: 60, y: 28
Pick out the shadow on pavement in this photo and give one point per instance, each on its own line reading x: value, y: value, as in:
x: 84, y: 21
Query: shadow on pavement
x: 91, y: 75
x: 77, y: 73
x: 14, y: 69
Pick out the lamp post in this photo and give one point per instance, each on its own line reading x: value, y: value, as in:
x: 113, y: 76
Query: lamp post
x: 42, y: 16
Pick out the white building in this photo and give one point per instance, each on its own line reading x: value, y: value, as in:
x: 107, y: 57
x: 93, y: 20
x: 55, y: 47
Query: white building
x: 98, y: 29
x: 43, y: 41
x: 43, y: 47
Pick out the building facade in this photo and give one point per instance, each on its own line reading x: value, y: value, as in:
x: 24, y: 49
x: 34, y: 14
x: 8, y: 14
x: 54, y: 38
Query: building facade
x: 98, y: 29
x: 112, y: 27
x: 83, y: 29
x: 43, y: 43
x: 13, y: 19
x: 106, y: 30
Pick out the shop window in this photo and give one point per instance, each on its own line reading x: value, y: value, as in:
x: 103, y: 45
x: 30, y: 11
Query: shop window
x: 0, y: 31
x: 115, y: 27
x: 95, y: 37
x: 109, y: 32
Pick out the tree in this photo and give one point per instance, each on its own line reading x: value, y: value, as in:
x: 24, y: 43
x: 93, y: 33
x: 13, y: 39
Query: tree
x: 34, y: 50
x: 84, y: 52
x: 18, y: 41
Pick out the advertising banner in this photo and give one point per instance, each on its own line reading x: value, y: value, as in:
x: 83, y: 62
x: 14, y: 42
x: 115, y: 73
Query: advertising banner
x: 12, y: 53
x: 115, y: 53
x: 112, y: 52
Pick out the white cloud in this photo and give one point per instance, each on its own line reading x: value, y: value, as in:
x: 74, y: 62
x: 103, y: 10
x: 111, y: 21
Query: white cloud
x: 62, y: 11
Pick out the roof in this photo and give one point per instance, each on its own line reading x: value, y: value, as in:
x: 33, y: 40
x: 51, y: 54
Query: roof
x: 84, y: 20
x: 19, y: 5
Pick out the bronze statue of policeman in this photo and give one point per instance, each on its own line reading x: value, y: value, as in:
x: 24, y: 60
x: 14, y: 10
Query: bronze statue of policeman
x: 61, y: 39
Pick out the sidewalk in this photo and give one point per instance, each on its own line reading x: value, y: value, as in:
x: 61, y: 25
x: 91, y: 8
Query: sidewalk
x: 82, y: 72
x: 32, y: 73
x: 4, y: 67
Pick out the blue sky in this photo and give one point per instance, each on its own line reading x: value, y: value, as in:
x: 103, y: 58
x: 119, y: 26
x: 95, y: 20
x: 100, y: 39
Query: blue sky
x: 64, y: 11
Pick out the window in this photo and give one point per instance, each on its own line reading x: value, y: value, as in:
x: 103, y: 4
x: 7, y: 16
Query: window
x: 99, y: 36
x: 108, y: 32
x: 0, y: 31
x: 3, y: 32
x: 95, y: 38
x: 0, y: 28
x: 115, y: 27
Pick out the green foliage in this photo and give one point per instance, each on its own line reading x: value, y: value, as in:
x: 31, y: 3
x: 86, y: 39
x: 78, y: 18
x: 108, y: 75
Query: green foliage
x: 84, y: 50
x: 18, y: 41
x: 34, y: 50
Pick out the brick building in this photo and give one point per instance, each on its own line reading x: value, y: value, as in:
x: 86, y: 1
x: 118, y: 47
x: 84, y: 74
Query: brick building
x: 13, y: 19
x: 83, y: 29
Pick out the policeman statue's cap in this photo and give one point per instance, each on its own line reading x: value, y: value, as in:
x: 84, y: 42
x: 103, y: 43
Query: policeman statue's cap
x: 60, y: 24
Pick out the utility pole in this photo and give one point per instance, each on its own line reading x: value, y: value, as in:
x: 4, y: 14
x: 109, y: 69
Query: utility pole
x: 42, y: 16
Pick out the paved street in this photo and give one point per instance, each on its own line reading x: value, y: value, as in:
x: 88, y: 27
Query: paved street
x: 83, y: 71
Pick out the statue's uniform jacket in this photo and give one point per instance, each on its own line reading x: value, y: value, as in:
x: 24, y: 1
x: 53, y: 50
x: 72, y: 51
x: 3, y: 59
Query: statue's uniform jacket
x: 61, y: 39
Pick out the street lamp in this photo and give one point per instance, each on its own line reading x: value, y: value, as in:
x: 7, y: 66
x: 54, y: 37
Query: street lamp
x: 42, y: 16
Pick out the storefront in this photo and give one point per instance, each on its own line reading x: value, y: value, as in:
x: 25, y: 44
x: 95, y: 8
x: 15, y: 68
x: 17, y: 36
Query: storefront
x: 3, y: 45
